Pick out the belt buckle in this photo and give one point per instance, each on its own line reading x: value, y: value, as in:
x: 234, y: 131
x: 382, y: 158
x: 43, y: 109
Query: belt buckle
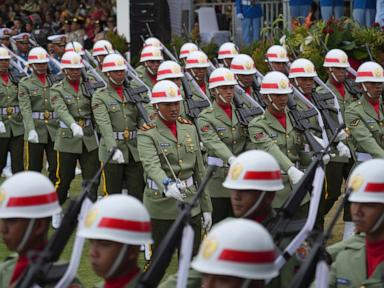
x: 47, y: 115
x: 9, y: 110
x: 126, y: 134
x: 81, y: 123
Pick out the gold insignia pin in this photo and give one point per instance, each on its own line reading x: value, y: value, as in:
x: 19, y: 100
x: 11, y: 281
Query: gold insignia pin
x: 209, y: 247
x: 235, y: 171
x: 90, y: 218
x: 356, y: 182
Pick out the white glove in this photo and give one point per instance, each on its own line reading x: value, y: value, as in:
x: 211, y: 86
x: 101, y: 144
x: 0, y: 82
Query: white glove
x: 171, y: 191
x: 207, y: 220
x: 294, y: 174
x: 240, y: 16
x: 343, y: 150
x: 181, y: 185
x: 118, y: 156
x: 2, y: 127
x: 230, y: 160
x: 327, y: 158
x: 77, y: 130
x: 33, y: 137
x: 342, y: 135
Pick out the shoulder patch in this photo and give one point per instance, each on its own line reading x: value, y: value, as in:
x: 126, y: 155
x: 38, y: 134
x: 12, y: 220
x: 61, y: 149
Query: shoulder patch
x: 259, y: 135
x: 205, y: 128
x: 184, y: 121
x: 354, y: 123
x: 24, y: 78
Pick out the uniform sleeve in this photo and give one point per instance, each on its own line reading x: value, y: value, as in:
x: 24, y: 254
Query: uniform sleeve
x: 211, y: 140
x: 150, y: 158
x: 259, y: 136
x: 25, y: 107
x: 60, y: 107
x: 199, y: 173
x: 361, y: 133
x: 102, y: 119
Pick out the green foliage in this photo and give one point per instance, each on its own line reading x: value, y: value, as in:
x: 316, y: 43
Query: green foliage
x: 119, y: 42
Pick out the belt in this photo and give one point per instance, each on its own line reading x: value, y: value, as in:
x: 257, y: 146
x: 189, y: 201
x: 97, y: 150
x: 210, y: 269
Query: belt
x: 361, y: 157
x: 81, y: 122
x: 152, y: 184
x: 248, y: 2
x: 10, y: 110
x: 125, y: 135
x: 46, y: 115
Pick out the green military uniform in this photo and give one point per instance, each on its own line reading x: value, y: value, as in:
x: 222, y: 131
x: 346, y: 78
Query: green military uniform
x: 285, y: 144
x: 340, y: 166
x: 118, y: 121
x: 144, y: 75
x: 6, y: 272
x: 366, y: 129
x: 132, y: 283
x: 12, y: 139
x: 223, y: 138
x: 349, y: 268
x: 186, y: 161
x: 206, y: 91
x: 73, y: 107
x: 38, y: 114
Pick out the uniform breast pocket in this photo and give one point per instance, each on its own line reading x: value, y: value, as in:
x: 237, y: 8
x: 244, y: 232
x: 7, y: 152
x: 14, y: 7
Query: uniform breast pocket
x: 113, y: 108
x: 190, y: 147
x: 222, y: 132
x: 69, y: 100
x: 66, y: 133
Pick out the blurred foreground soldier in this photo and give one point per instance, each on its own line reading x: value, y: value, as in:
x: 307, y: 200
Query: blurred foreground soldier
x: 116, y: 227
x: 101, y: 49
x: 40, y: 121
x: 226, y: 53
x: 185, y: 50
x: 150, y: 59
x: 360, y: 263
x: 277, y: 59
x: 236, y: 253
x: 223, y: 136
x: 118, y: 121
x: 76, y: 137
x: 173, y: 165
x: 273, y: 132
x: 197, y: 65
x: 27, y: 201
x: 11, y: 121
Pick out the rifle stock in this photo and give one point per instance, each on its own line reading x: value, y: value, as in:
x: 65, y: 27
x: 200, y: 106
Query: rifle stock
x: 133, y: 96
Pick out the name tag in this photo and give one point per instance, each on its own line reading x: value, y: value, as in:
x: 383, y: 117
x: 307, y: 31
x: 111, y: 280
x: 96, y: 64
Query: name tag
x: 371, y: 121
x: 165, y: 145
x: 343, y: 281
x: 273, y: 135
x: 220, y: 129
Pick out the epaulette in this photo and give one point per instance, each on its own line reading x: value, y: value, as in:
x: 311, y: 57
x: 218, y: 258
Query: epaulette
x: 184, y: 121
x: 57, y: 84
x: 25, y: 78
x: 146, y: 127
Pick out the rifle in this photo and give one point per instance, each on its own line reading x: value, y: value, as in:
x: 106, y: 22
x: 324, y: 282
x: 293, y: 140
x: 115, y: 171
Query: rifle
x: 38, y: 271
x: 87, y: 87
x: 163, y: 256
x: 256, y: 90
x: 243, y: 113
x: 303, y: 278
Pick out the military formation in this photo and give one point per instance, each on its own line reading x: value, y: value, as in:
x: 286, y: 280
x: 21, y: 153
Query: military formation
x: 229, y: 165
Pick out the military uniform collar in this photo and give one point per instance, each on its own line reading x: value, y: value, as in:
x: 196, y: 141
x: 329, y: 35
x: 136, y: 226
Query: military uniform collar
x: 220, y: 114
x: 68, y: 87
x: 368, y: 108
x: 164, y: 130
x: 37, y: 81
x: 275, y: 124
x: 113, y: 94
x: 346, y: 97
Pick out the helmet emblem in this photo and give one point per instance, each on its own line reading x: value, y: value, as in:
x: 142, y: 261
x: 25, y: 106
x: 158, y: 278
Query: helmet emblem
x: 2, y: 196
x: 209, y: 247
x: 378, y: 72
x: 309, y: 68
x: 172, y: 92
x: 283, y: 84
x: 343, y: 59
x: 229, y: 76
x: 282, y: 54
x: 235, y: 171
x: 248, y: 65
x: 90, y: 218
x: 356, y: 182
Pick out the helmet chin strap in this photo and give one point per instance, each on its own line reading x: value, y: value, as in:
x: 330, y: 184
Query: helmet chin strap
x: 254, y: 206
x: 378, y: 223
x: 113, y: 81
x: 149, y: 69
x: 195, y: 76
x: 220, y: 96
x: 298, y: 86
x: 240, y: 82
x: 273, y: 103
x: 366, y: 90
x: 118, y: 261
x: 246, y: 283
x: 333, y: 75
x: 67, y: 75
x: 26, y: 235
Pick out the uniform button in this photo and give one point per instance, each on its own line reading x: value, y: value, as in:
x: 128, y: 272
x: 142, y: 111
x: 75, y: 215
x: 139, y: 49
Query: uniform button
x: 125, y: 117
x: 63, y: 133
x: 178, y: 145
x: 78, y: 98
x: 289, y: 151
x: 233, y: 128
x: 371, y: 126
x: 234, y: 142
x: 287, y: 136
x: 165, y: 150
x: 221, y: 133
x: 180, y: 161
x: 46, y: 100
x: 156, y: 193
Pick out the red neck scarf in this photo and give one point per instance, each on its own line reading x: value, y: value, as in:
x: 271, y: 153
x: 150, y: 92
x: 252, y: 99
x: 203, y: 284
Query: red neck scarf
x: 203, y: 87
x: 375, y: 255
x: 376, y: 106
x: 260, y: 219
x: 171, y: 126
x: 248, y: 90
x: 227, y: 108
x: 119, y: 91
x: 21, y: 264
x: 123, y: 280
x: 281, y: 117
x: 42, y: 78
x: 152, y: 77
x: 5, y: 78
x: 75, y: 85
x: 339, y: 87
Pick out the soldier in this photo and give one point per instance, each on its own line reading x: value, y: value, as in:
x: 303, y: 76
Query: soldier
x: 236, y: 253
x: 118, y: 121
x: 152, y: 41
x: 28, y: 199
x: 116, y: 226
x: 185, y: 50
x: 273, y: 132
x: 150, y: 59
x: 74, y: 46
x: 22, y: 45
x: 360, y: 262
x: 76, y: 137
x: 11, y: 121
x: 173, y: 165
x: 226, y: 53
x: 40, y: 122
x: 197, y: 65
x: 101, y: 49
x: 57, y: 45
x: 223, y: 136
x: 277, y: 59
x: 5, y: 34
